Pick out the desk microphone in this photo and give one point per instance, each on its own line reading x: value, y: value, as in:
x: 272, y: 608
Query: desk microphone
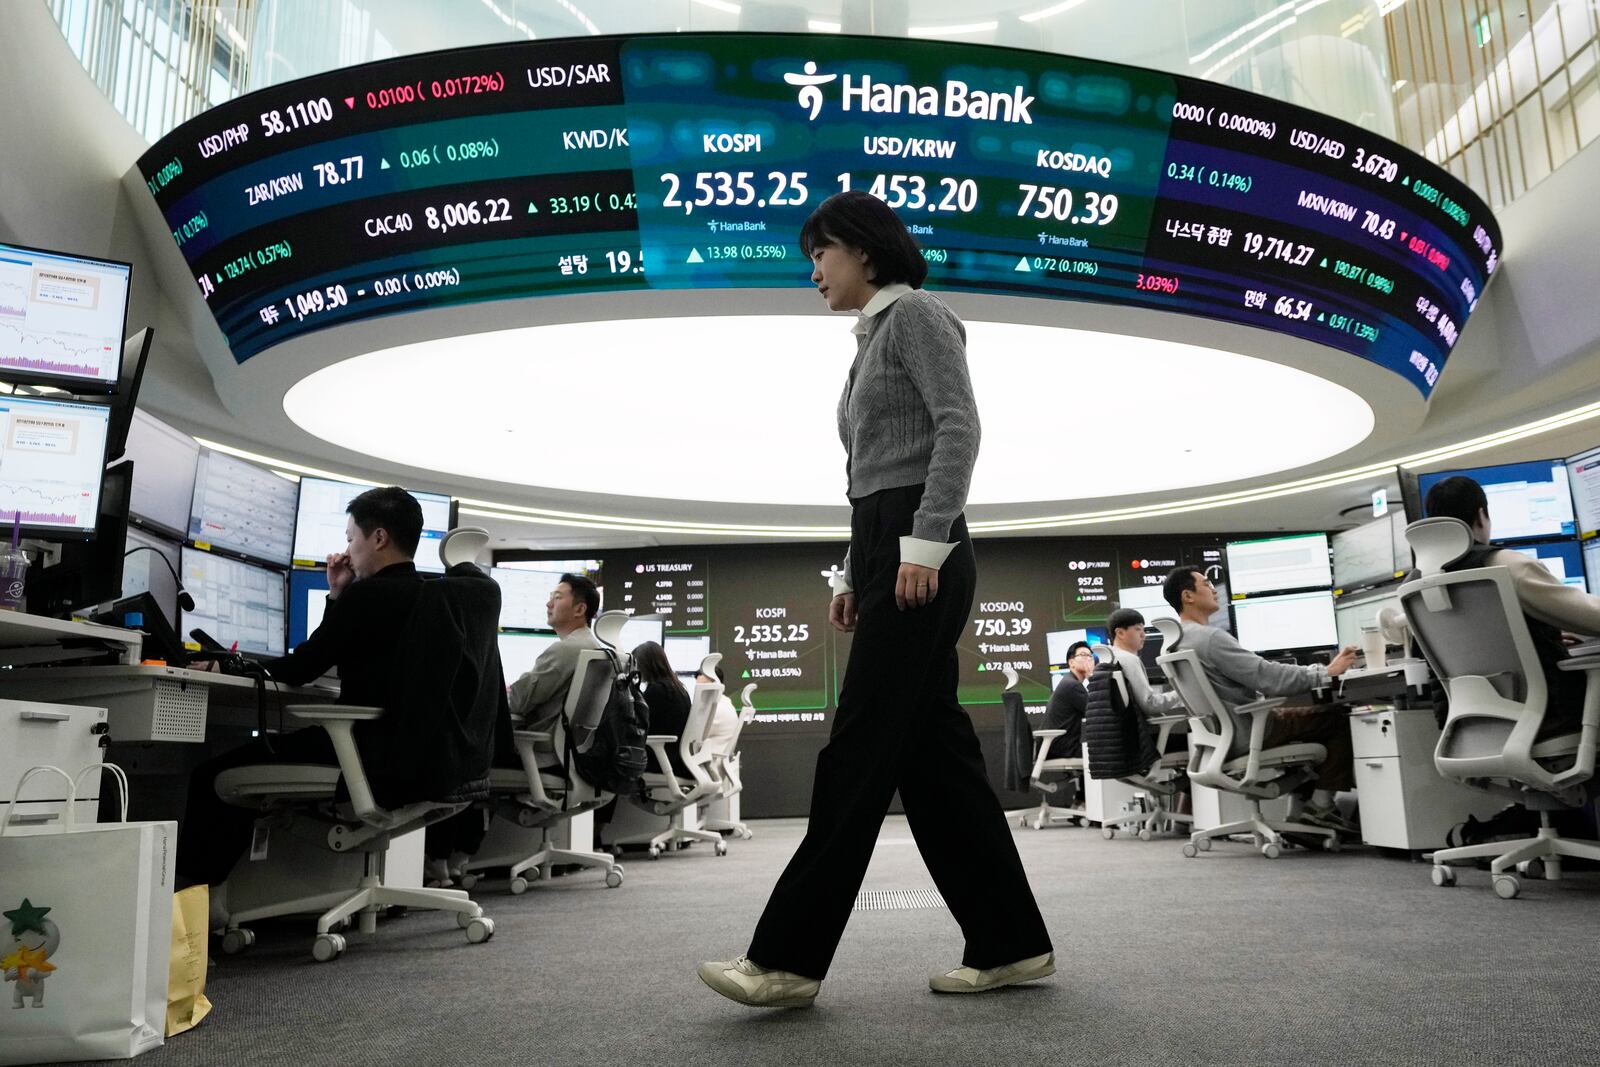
x: 185, y: 601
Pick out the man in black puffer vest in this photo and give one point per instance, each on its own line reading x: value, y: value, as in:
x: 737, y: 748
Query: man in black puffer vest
x: 1550, y: 607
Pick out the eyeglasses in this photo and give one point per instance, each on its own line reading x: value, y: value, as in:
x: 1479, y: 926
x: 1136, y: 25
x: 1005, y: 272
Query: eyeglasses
x: 1083, y: 655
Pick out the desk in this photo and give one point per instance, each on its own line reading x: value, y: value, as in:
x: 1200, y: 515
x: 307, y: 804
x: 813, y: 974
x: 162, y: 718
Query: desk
x: 1399, y: 679
x: 157, y: 703
x: 1405, y: 802
x: 28, y: 639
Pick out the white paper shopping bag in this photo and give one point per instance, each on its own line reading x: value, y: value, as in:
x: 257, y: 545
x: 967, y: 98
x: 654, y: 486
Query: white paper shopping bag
x: 85, y: 935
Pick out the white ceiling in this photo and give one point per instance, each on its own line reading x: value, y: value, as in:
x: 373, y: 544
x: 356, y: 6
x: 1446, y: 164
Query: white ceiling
x: 742, y: 409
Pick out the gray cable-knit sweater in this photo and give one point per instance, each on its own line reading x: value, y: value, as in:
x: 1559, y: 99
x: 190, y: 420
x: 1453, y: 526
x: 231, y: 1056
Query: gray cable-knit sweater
x: 907, y: 415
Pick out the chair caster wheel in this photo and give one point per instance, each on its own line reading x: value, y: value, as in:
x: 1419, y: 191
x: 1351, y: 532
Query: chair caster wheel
x: 237, y: 940
x: 327, y: 947
x: 722, y: 848
x: 1444, y: 876
x: 1271, y: 850
x: 519, y: 885
x: 1108, y: 832
x: 480, y: 929
x: 462, y: 919
x: 1190, y: 851
x: 1533, y: 868
x: 1507, y: 886
x: 1332, y: 844
x: 613, y: 877
x: 1204, y: 844
x: 655, y: 852
x: 469, y: 880
x: 1146, y: 835
x: 746, y: 834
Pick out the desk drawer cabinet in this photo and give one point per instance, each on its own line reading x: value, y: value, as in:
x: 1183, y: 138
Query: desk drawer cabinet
x: 1405, y: 802
x: 60, y: 735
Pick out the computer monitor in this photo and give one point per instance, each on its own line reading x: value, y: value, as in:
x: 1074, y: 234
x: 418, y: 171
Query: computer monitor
x: 1056, y: 642
x: 1591, y: 564
x: 519, y: 651
x: 1286, y: 622
x: 144, y: 572
x: 636, y: 632
x: 237, y: 603
x: 242, y: 507
x: 164, y: 461
x: 52, y: 460
x: 1279, y: 564
x: 1370, y: 553
x: 319, y: 522
x: 1583, y: 475
x: 1147, y: 600
x: 135, y: 353
x: 88, y: 572
x: 523, y: 595
x: 1564, y: 559
x: 62, y: 318
x: 1351, y: 614
x: 308, y: 599
x: 687, y: 653
x: 1526, y: 500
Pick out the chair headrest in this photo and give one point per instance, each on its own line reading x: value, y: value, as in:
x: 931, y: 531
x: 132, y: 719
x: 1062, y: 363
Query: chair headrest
x: 463, y: 545
x: 746, y: 694
x: 608, y: 627
x: 1103, y: 654
x: 1438, y: 543
x: 1170, y: 629
x: 1011, y: 680
x: 708, y: 666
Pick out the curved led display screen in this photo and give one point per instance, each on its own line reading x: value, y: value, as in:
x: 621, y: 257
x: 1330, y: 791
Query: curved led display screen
x: 573, y: 166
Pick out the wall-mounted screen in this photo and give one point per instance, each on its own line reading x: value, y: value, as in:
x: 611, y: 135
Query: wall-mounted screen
x: 62, y: 318
x: 239, y: 604
x: 1525, y: 499
x: 52, y: 461
x: 242, y: 507
x: 1296, y: 561
x: 319, y: 522
x: 1289, y: 621
x: 519, y: 652
x: 164, y: 460
x: 1058, y: 642
x: 659, y: 162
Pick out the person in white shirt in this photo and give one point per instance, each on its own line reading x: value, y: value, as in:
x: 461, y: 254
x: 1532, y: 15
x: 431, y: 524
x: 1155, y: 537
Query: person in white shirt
x: 1127, y: 632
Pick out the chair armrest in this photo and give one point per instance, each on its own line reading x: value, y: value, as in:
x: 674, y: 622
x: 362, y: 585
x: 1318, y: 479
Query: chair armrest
x: 658, y: 744
x: 1580, y: 663
x: 1257, y: 707
x: 665, y: 739
x: 1260, y: 713
x: 1047, y: 735
x: 525, y: 741
x: 1164, y: 725
x: 340, y: 722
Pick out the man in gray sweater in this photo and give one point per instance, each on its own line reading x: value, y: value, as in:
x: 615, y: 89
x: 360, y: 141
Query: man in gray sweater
x: 1240, y: 677
x: 539, y: 697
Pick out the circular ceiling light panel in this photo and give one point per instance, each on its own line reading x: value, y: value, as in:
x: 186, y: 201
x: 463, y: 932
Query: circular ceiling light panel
x: 740, y: 409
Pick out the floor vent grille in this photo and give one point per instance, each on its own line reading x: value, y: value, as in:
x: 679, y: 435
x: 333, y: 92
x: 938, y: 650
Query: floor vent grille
x: 898, y: 899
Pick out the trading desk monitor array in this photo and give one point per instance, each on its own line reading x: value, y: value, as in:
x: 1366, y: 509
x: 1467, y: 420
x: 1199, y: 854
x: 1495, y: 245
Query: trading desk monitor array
x: 240, y: 604
x: 62, y: 319
x: 1282, y: 593
x: 88, y: 572
x: 1526, y: 500
x: 243, y: 508
x: 164, y: 462
x: 1371, y: 554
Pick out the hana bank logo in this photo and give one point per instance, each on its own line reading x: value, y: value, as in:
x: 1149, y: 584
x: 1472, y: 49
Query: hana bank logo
x: 810, y: 84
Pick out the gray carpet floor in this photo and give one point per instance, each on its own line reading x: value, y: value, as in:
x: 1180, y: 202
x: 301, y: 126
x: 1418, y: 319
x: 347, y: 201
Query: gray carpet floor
x: 1229, y: 958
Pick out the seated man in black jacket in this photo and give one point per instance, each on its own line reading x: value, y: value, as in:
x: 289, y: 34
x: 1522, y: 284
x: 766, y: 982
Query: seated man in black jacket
x: 373, y: 587
x: 1068, y: 703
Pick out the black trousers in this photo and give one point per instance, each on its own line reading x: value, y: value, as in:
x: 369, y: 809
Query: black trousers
x: 899, y: 725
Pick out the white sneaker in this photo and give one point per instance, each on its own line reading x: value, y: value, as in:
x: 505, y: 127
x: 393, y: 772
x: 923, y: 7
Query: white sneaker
x: 760, y: 987
x: 971, y: 980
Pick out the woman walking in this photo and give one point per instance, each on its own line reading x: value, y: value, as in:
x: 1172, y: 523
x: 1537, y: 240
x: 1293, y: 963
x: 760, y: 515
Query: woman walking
x: 910, y: 430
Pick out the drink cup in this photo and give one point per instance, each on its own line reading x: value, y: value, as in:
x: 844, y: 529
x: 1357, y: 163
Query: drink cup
x: 1373, y: 646
x: 13, y: 578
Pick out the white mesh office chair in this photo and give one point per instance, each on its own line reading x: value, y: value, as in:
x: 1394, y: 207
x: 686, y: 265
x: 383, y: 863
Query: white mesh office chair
x: 1474, y: 635
x: 359, y: 824
x: 1158, y: 785
x: 1261, y: 774
x: 547, y: 792
x: 664, y: 792
x: 726, y: 767
x: 1066, y: 775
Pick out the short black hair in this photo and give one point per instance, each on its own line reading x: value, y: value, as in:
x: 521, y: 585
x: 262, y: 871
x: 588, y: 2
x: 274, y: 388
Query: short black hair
x: 389, y: 508
x: 586, y: 592
x: 1072, y: 649
x: 1122, y: 618
x: 1177, y: 583
x: 858, y: 219
x: 1457, y: 497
